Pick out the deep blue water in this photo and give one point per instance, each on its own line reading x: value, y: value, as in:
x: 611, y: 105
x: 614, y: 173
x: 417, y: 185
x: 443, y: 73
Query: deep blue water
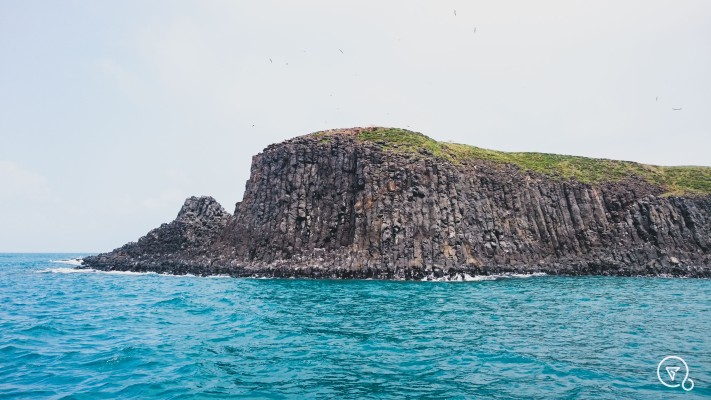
x: 98, y: 335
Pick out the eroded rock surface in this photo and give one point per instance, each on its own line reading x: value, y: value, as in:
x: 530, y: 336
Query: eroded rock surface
x: 335, y: 206
x: 184, y: 245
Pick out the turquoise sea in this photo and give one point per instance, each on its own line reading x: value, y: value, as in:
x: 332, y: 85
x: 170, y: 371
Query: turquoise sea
x: 89, y: 335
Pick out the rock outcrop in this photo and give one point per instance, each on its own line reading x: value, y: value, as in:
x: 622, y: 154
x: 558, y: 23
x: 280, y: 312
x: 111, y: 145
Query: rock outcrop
x: 182, y: 246
x: 361, y: 203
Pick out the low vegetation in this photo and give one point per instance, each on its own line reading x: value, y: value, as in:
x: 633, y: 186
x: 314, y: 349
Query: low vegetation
x: 676, y: 180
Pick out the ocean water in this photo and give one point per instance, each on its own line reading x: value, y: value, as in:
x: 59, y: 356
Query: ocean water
x: 89, y: 335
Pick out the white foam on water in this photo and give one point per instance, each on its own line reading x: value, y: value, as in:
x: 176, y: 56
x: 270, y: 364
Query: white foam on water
x: 170, y: 275
x: 71, y: 261
x: 477, y: 278
x: 126, y: 273
x: 430, y: 278
x: 67, y: 270
x: 525, y: 275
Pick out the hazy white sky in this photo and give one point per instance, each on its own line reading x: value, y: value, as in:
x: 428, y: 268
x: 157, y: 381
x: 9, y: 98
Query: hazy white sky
x: 113, y: 112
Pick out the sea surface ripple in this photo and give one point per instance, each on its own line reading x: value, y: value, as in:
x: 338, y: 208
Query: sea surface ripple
x: 69, y: 335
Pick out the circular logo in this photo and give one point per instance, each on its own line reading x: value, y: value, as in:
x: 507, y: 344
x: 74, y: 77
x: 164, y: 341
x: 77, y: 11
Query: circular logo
x: 673, y: 372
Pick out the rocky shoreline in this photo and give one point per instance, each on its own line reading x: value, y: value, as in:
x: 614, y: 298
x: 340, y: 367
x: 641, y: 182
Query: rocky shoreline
x: 341, y: 204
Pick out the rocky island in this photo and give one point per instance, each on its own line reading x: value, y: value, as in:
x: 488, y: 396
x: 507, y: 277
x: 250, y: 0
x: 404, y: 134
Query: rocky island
x: 389, y: 203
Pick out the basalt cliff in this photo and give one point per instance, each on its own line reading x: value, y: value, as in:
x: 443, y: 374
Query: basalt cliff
x: 394, y: 204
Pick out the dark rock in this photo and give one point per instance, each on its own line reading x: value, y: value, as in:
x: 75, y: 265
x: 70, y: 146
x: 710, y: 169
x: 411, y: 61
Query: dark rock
x: 185, y: 245
x: 345, y: 208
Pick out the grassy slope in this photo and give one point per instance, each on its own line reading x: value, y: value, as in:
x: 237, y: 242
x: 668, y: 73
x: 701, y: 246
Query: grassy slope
x: 676, y: 180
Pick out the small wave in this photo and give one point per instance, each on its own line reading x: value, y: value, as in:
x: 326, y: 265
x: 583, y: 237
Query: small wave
x: 459, y: 278
x: 71, y: 261
x: 178, y: 300
x: 218, y: 276
x: 41, y: 328
x: 525, y: 275
x: 126, y: 273
x: 463, y: 277
x: 476, y: 278
x: 66, y: 270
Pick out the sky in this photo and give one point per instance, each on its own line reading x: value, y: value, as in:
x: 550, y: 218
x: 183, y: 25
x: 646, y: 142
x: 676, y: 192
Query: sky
x: 113, y: 112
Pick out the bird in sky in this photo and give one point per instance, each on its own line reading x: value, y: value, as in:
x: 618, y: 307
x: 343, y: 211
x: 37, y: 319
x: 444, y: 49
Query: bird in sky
x: 656, y: 98
x: 340, y: 51
x: 455, y: 13
x: 676, y: 109
x: 270, y: 60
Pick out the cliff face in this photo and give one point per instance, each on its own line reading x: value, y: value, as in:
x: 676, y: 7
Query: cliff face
x: 346, y: 204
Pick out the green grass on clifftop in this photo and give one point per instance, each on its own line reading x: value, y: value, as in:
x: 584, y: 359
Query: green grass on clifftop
x: 675, y: 180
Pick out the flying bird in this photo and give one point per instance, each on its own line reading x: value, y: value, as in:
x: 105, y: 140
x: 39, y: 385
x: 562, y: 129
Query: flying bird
x: 475, y: 29
x: 340, y: 51
x: 676, y: 109
x: 656, y: 98
x: 270, y: 60
x: 455, y: 13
